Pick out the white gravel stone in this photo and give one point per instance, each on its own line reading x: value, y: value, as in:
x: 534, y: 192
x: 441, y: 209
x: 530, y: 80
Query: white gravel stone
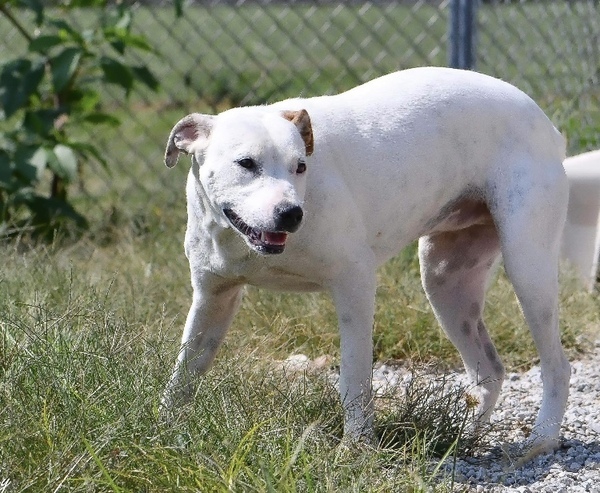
x: 575, y: 466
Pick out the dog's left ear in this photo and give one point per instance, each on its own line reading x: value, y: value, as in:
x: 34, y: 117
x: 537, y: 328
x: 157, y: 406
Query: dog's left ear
x: 192, y: 130
x: 302, y: 122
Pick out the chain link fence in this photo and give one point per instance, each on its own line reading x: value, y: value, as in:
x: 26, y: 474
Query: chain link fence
x: 220, y: 54
x: 551, y: 50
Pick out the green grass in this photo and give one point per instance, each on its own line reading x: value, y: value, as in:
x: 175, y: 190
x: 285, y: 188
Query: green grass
x: 89, y: 334
x: 88, y: 339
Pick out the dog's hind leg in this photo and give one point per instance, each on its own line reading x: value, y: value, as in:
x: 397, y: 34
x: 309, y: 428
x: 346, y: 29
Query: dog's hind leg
x: 213, y: 308
x: 455, y: 267
x: 530, y: 227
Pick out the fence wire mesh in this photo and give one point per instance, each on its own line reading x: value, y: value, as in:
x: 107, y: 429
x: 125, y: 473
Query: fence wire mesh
x: 551, y: 50
x: 220, y: 54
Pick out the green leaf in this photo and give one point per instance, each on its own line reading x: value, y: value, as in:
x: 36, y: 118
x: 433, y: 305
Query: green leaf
x: 178, y: 8
x: 22, y: 195
x: 102, y: 119
x: 84, y: 100
x: 30, y: 162
x: 118, y: 46
x: 124, y: 19
x: 139, y: 42
x: 37, y: 6
x: 88, y: 149
x: 119, y: 18
x: 50, y: 211
x: 40, y: 122
x: 66, y: 32
x: 143, y: 74
x: 63, y: 162
x: 6, y: 171
x: 63, y: 67
x: 120, y: 39
x: 19, y: 79
x: 117, y: 73
x: 43, y: 43
x: 85, y: 3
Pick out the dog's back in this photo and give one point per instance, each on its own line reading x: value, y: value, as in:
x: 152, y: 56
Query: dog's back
x: 440, y: 132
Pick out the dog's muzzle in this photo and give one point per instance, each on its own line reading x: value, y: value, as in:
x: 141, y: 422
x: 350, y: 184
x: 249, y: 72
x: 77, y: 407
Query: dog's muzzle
x: 287, y: 220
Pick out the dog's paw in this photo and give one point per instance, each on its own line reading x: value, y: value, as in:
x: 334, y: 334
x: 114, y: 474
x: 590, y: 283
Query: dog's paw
x: 351, y: 447
x: 175, y: 397
x: 518, y: 455
x: 352, y: 440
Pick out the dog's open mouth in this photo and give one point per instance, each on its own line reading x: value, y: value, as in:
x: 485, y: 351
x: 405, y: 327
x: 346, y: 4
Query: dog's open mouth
x: 262, y: 241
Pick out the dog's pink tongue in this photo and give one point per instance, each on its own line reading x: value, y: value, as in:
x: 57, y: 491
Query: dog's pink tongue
x: 274, y: 238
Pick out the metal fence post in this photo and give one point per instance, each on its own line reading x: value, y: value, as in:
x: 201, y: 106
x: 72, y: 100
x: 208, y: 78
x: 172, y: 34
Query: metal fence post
x: 462, y: 27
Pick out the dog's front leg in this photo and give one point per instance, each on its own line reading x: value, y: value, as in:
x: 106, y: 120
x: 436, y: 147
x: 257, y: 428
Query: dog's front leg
x: 354, y: 298
x: 213, y: 308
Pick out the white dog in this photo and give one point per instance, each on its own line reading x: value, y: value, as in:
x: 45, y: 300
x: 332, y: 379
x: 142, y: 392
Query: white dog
x: 315, y: 194
x: 581, y: 239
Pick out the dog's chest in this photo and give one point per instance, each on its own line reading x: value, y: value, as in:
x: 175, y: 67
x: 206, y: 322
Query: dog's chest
x: 270, y: 273
x: 284, y: 279
x: 226, y: 256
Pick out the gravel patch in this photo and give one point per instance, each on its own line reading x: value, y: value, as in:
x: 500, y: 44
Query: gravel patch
x: 573, y: 468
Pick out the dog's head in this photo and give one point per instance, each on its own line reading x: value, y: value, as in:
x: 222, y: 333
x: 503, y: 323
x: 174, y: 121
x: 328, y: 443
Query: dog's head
x: 252, y: 169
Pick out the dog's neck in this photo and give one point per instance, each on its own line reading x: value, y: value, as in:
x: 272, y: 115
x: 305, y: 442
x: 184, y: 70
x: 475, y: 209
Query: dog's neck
x: 204, y: 210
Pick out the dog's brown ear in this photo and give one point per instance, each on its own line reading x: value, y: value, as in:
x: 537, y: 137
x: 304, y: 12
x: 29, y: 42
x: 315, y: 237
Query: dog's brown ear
x: 191, y: 130
x: 302, y: 122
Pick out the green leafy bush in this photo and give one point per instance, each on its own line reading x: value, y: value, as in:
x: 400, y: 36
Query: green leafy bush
x: 49, y: 98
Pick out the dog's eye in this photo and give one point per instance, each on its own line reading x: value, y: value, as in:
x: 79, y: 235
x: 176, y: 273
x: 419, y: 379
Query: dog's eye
x: 247, y: 163
x: 301, y: 167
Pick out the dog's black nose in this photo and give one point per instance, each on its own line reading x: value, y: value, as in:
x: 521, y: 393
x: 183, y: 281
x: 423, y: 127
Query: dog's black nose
x: 288, y: 218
